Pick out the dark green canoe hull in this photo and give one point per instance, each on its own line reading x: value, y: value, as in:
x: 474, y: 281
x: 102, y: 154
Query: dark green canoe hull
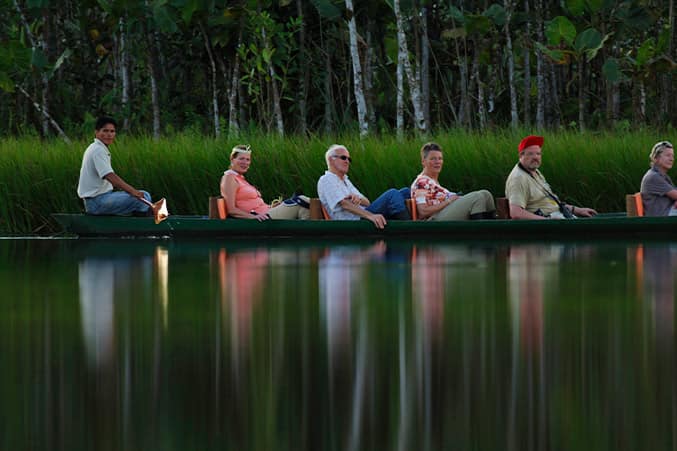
x: 603, y: 226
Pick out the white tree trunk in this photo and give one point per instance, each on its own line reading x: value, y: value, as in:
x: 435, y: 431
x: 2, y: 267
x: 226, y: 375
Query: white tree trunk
x: 215, y: 92
x: 357, y: 71
x: 277, y: 110
x: 514, y: 118
x: 124, y: 71
x: 233, y: 123
x: 413, y: 80
x: 400, y: 93
x: 45, y: 115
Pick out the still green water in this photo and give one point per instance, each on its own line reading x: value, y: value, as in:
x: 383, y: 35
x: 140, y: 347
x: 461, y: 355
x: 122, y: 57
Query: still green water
x: 287, y: 345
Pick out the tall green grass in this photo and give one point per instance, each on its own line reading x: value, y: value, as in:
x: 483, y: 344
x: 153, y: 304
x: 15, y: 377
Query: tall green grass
x: 38, y: 178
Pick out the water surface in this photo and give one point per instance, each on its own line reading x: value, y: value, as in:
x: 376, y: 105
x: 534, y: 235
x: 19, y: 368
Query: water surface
x: 179, y: 345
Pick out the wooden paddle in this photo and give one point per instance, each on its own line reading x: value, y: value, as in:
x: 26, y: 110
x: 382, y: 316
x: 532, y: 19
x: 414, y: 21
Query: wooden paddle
x: 158, y: 208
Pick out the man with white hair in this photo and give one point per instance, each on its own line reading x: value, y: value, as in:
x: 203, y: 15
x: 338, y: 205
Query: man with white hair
x: 345, y: 202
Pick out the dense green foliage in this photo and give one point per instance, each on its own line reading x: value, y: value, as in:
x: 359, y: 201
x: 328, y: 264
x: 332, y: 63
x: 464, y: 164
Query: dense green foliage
x: 222, y: 66
x: 38, y: 178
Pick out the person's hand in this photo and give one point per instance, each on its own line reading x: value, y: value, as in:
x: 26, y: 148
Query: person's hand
x: 136, y: 193
x: 453, y: 197
x: 378, y: 220
x: 262, y: 217
x: 585, y: 212
x: 354, y: 198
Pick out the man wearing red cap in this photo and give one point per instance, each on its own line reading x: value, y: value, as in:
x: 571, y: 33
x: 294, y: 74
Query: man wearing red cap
x: 528, y: 192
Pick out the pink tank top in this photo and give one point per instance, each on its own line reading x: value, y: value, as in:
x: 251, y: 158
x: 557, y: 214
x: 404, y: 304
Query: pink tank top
x: 247, y: 197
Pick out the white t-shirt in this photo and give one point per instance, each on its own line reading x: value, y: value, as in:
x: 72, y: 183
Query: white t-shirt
x: 95, y: 165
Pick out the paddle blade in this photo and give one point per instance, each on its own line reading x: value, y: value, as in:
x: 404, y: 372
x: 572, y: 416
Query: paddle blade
x: 160, y: 211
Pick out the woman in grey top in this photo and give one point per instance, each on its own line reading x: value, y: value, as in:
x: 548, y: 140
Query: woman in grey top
x: 659, y: 194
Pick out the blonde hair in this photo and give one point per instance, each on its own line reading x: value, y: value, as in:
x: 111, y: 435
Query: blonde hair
x: 658, y: 149
x: 330, y: 153
x: 240, y: 148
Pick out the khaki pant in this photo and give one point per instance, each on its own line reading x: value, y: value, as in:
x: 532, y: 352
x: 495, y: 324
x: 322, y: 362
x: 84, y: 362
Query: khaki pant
x: 468, y: 204
x: 284, y: 211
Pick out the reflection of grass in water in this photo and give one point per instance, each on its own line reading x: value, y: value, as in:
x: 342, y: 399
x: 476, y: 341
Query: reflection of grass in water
x: 38, y: 178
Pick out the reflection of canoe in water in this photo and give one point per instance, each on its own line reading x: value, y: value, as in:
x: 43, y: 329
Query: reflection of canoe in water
x: 612, y: 225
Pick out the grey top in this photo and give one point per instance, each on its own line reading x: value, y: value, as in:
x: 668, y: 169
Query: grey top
x: 95, y: 165
x: 655, y: 186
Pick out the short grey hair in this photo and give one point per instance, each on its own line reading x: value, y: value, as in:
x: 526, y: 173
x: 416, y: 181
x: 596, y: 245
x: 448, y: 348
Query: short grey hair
x: 330, y: 152
x: 658, y: 149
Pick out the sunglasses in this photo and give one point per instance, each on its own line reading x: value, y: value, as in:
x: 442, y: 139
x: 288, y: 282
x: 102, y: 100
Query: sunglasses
x: 343, y: 157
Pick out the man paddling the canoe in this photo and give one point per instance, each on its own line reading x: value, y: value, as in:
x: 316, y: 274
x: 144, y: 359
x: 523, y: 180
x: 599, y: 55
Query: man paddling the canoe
x: 343, y: 201
x: 97, y: 180
x: 528, y: 193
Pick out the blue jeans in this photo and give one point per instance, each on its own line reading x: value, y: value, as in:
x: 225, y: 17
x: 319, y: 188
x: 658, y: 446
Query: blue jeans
x: 116, y: 203
x: 390, y: 203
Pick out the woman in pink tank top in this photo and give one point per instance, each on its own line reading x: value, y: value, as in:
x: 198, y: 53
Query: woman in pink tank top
x: 244, y: 201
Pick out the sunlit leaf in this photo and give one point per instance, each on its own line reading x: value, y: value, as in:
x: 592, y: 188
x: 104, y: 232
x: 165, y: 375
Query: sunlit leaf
x: 163, y: 20
x: 560, y: 28
x: 645, y: 52
x: 6, y: 83
x: 454, y: 33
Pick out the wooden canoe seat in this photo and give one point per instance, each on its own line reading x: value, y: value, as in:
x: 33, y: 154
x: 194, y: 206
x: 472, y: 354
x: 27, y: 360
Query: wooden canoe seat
x: 217, y: 208
x: 633, y: 205
x: 502, y: 208
x: 411, y: 206
x: 317, y: 210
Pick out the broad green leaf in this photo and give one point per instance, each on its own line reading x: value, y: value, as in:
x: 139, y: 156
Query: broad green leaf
x: 645, y: 52
x: 477, y: 24
x: 588, y: 39
x: 594, y: 6
x: 30, y: 4
x: 592, y: 53
x: 38, y: 58
x: 64, y: 56
x: 576, y: 7
x: 612, y: 70
x: 560, y: 28
x: 162, y: 18
x: 663, y: 40
x: 6, y: 83
x: 456, y: 14
x: 497, y: 14
x: 327, y: 9
x: 556, y: 55
x: 188, y: 9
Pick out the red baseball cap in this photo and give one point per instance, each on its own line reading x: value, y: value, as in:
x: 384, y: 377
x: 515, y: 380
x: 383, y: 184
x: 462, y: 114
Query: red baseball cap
x: 530, y: 140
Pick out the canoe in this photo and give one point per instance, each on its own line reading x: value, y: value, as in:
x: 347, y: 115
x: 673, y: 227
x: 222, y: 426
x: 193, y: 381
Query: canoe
x: 608, y: 226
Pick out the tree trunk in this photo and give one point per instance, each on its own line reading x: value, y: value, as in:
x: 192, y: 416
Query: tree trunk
x: 233, y: 123
x: 154, y: 69
x: 514, y: 118
x: 581, y: 94
x: 215, y: 92
x: 277, y: 110
x: 368, y: 80
x: 305, y: 71
x: 481, y: 109
x: 666, y: 78
x: 357, y: 71
x: 540, y: 69
x: 425, y: 67
x: 45, y: 114
x: 400, y: 93
x: 555, y: 111
x: 526, y: 101
x: 412, y: 75
x: 124, y: 72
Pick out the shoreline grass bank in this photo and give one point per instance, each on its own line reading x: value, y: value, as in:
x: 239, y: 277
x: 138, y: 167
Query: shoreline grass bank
x: 38, y: 178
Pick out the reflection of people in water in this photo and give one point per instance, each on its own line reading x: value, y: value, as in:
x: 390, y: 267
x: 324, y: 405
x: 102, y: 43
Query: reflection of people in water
x: 340, y: 275
x: 428, y: 267
x: 659, y: 263
x: 97, y: 289
x: 241, y: 275
x: 528, y: 277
